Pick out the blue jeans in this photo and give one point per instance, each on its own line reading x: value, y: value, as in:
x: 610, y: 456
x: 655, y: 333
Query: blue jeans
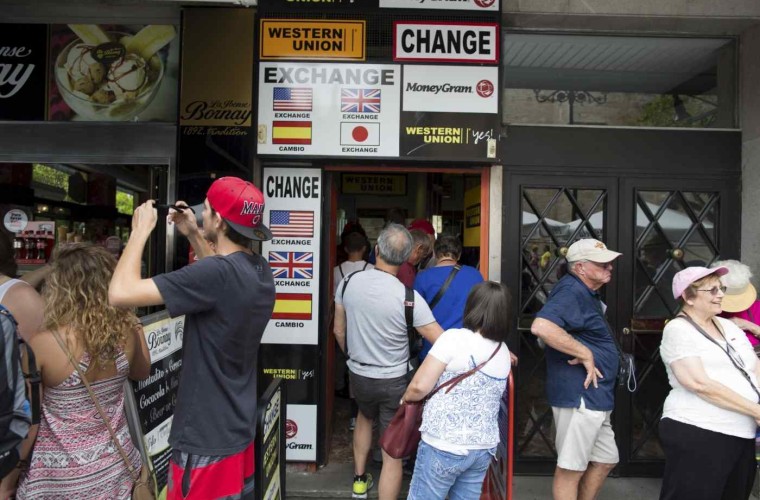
x: 439, y: 473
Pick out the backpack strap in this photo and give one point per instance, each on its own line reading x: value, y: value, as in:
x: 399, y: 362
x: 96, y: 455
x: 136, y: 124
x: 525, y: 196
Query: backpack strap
x: 343, y: 296
x: 365, y: 265
x: 411, y: 332
x: 34, y: 379
x: 449, y: 279
x: 340, y: 269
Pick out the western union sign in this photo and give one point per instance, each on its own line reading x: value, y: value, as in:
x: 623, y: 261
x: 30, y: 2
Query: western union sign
x: 306, y: 39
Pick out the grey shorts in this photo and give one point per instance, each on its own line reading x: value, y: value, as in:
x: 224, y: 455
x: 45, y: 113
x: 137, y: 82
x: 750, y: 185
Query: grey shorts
x: 378, y: 398
x: 584, y: 436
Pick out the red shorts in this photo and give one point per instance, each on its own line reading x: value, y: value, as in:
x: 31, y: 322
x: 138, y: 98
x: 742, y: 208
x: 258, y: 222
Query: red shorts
x: 196, y: 477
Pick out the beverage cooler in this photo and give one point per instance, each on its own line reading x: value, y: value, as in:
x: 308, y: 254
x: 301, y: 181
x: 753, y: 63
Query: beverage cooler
x: 81, y: 183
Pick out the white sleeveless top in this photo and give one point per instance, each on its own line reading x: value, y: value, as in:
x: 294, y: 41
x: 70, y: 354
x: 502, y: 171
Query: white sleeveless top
x: 7, y: 286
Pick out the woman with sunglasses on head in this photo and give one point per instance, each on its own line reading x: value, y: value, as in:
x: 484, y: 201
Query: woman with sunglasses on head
x: 711, y: 415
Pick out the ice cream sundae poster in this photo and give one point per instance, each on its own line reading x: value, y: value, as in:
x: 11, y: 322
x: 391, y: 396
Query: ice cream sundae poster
x: 113, y: 72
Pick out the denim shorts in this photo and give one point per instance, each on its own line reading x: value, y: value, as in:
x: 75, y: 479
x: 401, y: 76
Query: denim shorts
x: 438, y: 473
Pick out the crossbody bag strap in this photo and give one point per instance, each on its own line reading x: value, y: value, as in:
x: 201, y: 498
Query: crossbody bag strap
x: 711, y: 339
x: 454, y: 381
x: 97, y: 405
x: 449, y: 279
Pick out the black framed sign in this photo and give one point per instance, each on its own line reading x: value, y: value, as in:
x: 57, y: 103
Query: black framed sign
x: 23, y: 63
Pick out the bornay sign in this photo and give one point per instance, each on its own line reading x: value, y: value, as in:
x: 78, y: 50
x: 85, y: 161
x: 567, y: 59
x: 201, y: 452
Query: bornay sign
x: 481, y: 5
x: 452, y: 89
x: 472, y: 43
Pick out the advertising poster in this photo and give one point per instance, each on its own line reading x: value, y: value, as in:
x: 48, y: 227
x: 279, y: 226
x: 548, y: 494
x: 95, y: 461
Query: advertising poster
x: 216, y: 90
x: 308, y: 39
x: 151, y: 402
x: 320, y: 109
x: 460, y: 136
x: 301, y: 433
x: 270, y: 445
x: 113, y: 72
x: 476, y: 5
x: 23, y: 61
x: 293, y: 213
x: 451, y: 89
x: 297, y: 365
x: 452, y: 42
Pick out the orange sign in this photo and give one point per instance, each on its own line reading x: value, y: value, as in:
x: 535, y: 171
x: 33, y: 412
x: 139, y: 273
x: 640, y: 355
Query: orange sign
x: 306, y: 39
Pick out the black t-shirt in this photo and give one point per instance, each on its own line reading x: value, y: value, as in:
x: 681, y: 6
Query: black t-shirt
x: 228, y: 301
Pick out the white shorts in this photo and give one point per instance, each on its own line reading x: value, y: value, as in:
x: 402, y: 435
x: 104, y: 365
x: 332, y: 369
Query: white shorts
x: 584, y: 436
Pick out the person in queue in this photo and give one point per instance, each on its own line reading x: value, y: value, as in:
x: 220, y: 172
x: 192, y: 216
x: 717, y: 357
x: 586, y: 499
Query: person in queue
x: 449, y: 310
x: 74, y: 456
x: 370, y: 327
x: 581, y: 367
x: 421, y: 248
x: 740, y: 303
x: 460, y: 428
x: 227, y: 299
x: 711, y: 414
x: 16, y: 295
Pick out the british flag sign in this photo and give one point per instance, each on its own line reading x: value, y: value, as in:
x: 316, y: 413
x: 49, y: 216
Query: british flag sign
x: 360, y: 100
x: 292, y: 265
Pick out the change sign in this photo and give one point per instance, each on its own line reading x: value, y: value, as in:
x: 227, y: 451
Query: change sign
x: 471, y: 43
x: 305, y: 39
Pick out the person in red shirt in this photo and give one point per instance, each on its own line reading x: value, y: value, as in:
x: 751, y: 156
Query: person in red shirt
x: 421, y: 249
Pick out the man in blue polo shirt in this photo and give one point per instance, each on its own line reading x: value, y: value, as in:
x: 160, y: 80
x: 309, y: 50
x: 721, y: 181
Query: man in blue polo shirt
x: 581, y: 367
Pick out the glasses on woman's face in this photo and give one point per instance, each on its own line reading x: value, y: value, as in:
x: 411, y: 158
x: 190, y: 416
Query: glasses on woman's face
x: 714, y: 290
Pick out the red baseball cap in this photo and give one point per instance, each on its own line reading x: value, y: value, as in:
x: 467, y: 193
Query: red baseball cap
x: 422, y: 225
x: 241, y: 205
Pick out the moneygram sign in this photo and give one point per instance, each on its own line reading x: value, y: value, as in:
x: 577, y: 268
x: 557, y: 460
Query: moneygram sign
x: 305, y: 39
x: 450, y: 89
x: 469, y: 43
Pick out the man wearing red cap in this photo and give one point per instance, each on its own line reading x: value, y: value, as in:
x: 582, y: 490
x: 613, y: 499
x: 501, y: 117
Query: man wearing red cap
x: 227, y: 299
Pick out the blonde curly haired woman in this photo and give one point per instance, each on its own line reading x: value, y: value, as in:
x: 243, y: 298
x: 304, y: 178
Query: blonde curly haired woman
x: 74, y: 456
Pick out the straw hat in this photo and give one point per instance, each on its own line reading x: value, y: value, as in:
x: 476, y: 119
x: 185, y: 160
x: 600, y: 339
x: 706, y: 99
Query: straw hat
x: 740, y: 293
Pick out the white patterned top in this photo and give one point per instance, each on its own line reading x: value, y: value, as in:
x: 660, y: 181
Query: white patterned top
x: 467, y: 417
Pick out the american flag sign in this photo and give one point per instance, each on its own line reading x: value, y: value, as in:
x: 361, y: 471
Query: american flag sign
x: 360, y: 100
x: 292, y: 99
x: 292, y: 265
x: 296, y: 223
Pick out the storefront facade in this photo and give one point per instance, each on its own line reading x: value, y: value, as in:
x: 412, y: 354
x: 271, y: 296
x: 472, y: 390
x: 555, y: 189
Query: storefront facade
x: 550, y: 137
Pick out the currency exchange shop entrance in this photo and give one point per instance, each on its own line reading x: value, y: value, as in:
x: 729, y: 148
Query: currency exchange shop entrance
x: 686, y: 214
x: 455, y: 201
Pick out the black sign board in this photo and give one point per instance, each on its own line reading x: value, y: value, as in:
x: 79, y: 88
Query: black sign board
x: 270, y: 443
x: 452, y: 136
x: 150, y: 402
x: 298, y: 365
x: 23, y: 60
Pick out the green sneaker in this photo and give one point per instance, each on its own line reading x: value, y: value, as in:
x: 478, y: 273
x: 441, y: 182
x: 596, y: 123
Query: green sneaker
x: 362, y: 486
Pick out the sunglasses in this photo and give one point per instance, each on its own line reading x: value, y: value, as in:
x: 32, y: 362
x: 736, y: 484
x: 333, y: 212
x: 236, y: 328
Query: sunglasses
x: 603, y: 265
x: 714, y: 290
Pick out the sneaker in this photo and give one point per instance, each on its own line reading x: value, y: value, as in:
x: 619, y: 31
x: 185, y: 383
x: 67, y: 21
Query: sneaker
x: 362, y: 486
x: 352, y: 424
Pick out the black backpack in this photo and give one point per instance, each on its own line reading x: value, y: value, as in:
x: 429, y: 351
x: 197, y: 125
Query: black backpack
x: 17, y: 411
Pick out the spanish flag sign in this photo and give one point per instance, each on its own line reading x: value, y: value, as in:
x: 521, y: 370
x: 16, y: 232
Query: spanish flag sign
x: 292, y: 306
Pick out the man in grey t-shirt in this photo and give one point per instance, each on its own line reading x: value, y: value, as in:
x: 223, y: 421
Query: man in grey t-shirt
x: 370, y: 327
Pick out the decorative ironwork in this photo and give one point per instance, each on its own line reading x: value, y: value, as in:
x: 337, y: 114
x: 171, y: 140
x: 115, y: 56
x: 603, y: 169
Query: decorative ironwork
x: 571, y: 97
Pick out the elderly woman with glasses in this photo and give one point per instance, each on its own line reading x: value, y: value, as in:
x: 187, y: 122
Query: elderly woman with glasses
x: 711, y: 415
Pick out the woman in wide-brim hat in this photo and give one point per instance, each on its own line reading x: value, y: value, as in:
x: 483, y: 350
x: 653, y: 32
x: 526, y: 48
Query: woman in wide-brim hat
x: 740, y: 302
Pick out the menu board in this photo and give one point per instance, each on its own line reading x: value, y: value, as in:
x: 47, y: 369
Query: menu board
x: 270, y: 445
x: 150, y: 402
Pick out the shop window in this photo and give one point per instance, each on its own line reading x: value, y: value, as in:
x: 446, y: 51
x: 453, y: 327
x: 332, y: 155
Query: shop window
x: 125, y: 201
x: 619, y: 81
